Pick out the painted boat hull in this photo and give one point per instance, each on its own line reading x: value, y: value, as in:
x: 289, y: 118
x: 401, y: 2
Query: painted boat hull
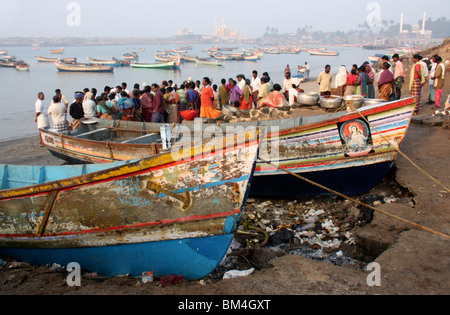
x: 67, y: 67
x: 157, y: 65
x: 307, y: 145
x: 123, y: 218
x: 193, y: 258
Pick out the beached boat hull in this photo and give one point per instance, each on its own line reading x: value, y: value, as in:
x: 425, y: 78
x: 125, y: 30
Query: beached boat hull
x: 318, y: 148
x: 161, y: 214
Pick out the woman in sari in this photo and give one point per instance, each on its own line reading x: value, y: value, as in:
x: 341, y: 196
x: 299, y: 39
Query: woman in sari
x: 417, y: 79
x: 275, y: 99
x: 386, y: 82
x: 362, y: 82
x: 247, y: 99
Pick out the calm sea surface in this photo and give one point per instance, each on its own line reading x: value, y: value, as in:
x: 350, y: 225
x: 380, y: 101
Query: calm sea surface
x: 19, y: 89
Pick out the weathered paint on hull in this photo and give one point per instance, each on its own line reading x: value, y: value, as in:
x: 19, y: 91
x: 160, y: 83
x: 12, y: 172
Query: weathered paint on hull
x: 194, y: 258
x: 155, y: 206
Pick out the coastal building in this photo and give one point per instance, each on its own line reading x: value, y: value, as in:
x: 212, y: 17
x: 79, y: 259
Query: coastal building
x: 224, y: 33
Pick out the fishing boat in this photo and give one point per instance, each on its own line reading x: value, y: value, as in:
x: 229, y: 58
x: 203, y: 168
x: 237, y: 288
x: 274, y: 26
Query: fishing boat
x: 57, y: 51
x: 134, y: 56
x: 114, y: 62
x: 81, y: 67
x: 162, y: 214
x: 3, y: 52
x: 254, y: 58
x: 7, y: 63
x: 158, y: 65
x: 321, y: 148
x: 323, y: 52
x: 374, y: 59
x: 22, y: 66
x: 188, y: 58
x: 208, y: 62
x: 45, y: 59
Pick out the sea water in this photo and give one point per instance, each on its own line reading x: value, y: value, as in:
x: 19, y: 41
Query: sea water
x: 19, y: 89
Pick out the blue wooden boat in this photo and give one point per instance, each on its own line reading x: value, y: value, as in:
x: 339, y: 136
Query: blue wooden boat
x: 173, y: 213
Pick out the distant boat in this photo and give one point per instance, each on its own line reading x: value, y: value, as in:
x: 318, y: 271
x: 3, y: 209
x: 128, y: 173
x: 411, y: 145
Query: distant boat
x: 374, y: 59
x: 131, y: 56
x: 57, y: 51
x: 251, y: 57
x: 36, y: 48
x: 3, y: 52
x: 158, y: 65
x: 82, y: 67
x: 208, y: 62
x: 45, y: 59
x: 323, y: 52
x: 7, y: 63
x: 22, y: 66
x: 113, y: 62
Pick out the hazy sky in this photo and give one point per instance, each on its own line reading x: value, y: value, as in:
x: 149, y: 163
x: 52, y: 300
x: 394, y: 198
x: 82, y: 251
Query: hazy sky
x: 141, y: 18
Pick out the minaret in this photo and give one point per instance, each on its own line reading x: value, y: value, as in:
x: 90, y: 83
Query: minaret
x: 423, y: 23
x: 401, y: 23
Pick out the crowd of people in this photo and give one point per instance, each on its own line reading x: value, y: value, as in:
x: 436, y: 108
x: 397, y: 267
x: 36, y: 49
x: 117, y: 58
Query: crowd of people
x: 361, y: 80
x: 163, y: 103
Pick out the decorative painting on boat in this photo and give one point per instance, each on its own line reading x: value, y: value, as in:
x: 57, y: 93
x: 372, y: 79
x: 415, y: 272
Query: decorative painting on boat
x: 357, y: 138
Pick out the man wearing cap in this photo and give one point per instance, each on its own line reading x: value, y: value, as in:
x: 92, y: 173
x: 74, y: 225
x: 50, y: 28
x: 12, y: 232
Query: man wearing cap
x: 76, y: 110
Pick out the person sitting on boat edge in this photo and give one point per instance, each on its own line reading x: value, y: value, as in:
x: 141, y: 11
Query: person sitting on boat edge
x: 127, y: 106
x: 103, y: 110
x: 57, y: 110
x: 76, y: 111
x: 89, y: 106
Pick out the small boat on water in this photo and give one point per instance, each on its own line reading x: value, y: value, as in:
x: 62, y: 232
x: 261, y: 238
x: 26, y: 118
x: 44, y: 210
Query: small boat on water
x: 166, y: 214
x: 45, y: 59
x: 57, y: 51
x: 114, y: 62
x: 254, y: 57
x: 7, y: 63
x: 158, y: 65
x: 134, y: 56
x: 81, y: 67
x: 208, y: 62
x: 22, y: 66
x: 374, y: 59
x: 323, y: 52
x: 320, y: 148
x: 3, y: 52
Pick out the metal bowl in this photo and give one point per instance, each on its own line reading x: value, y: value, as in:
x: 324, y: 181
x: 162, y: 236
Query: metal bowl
x: 371, y: 101
x: 310, y: 99
x: 353, y: 101
x: 331, y: 103
x: 229, y: 110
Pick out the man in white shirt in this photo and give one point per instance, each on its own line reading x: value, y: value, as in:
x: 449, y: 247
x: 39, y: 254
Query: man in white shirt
x: 89, y: 106
x: 241, y: 81
x: 432, y: 72
x: 58, y: 112
x: 256, y: 85
x: 41, y: 114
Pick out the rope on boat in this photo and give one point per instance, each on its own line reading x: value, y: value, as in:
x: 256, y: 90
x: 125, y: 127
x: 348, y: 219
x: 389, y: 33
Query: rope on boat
x: 404, y: 155
x: 358, y: 202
